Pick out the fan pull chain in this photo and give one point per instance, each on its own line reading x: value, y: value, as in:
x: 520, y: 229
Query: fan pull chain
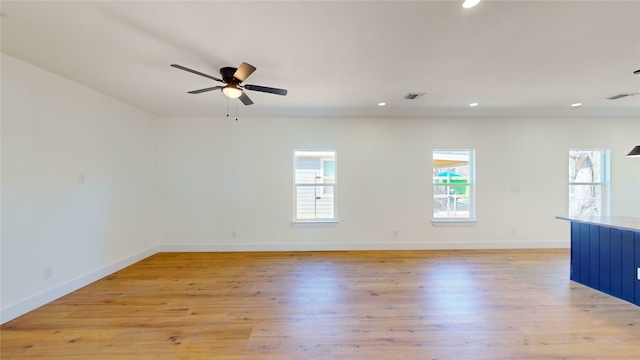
x: 236, y: 109
x: 227, y: 107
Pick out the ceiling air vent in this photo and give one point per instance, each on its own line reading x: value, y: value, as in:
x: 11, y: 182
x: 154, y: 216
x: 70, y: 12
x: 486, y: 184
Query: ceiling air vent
x: 414, y: 96
x: 620, y: 96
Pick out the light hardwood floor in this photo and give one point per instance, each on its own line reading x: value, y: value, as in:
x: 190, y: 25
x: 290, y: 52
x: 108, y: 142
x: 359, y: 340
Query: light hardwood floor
x: 507, y: 304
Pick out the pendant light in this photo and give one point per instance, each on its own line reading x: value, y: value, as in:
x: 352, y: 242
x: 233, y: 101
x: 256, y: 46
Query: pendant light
x: 635, y: 152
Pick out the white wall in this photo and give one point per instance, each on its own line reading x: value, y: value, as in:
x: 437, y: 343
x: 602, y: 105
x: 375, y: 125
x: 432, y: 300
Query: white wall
x: 218, y: 175
x: 54, y: 131
x: 187, y: 183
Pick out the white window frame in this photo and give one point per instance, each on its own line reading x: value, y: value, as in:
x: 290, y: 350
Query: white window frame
x: 452, y: 199
x: 316, y: 153
x: 604, y: 183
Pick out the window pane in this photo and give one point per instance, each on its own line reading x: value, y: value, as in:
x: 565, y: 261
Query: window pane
x: 586, y: 166
x: 315, y: 179
x: 585, y: 200
x: 448, y: 202
x: 451, y: 166
x: 314, y: 202
x: 588, y: 170
x: 453, y: 181
x: 312, y: 168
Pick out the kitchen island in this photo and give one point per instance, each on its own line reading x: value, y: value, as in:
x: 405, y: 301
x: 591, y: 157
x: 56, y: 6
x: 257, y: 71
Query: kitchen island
x: 605, y: 254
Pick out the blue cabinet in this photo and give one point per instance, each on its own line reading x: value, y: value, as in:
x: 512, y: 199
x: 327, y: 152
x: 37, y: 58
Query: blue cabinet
x: 628, y: 266
x: 575, y: 252
x: 637, y: 265
x: 606, y: 259
x: 594, y: 256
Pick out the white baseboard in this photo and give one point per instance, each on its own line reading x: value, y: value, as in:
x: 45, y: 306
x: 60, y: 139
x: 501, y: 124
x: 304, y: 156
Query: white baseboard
x: 13, y: 311
x: 558, y: 244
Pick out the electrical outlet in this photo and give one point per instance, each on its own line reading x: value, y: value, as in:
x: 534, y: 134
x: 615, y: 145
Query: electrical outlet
x: 395, y: 233
x: 47, y: 273
x: 233, y: 234
x: 513, y: 231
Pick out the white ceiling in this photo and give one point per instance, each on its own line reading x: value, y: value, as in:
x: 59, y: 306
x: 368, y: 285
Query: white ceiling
x: 340, y: 58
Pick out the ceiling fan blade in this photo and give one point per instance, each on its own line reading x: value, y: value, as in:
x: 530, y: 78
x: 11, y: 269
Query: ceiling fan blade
x: 205, y: 90
x: 195, y: 72
x: 244, y: 71
x: 245, y: 99
x: 269, y: 90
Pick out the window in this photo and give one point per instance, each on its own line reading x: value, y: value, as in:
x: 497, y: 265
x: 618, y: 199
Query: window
x: 588, y: 182
x: 453, y: 185
x: 315, y: 185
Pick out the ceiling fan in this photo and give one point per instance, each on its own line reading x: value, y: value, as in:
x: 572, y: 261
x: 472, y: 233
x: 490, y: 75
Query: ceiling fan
x: 233, y: 77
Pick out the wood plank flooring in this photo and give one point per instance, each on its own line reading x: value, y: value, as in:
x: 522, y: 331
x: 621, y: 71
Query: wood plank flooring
x: 506, y: 304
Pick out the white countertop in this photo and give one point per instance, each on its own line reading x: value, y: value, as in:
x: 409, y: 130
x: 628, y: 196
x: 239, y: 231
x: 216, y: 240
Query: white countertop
x: 619, y: 222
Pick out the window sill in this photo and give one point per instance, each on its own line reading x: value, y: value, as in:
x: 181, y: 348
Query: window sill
x: 453, y: 222
x: 315, y: 223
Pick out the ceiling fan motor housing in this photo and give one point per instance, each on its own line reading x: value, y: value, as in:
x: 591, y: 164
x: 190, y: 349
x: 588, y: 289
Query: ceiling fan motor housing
x: 227, y: 74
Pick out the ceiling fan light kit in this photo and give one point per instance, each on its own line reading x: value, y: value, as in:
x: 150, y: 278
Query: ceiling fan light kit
x: 232, y: 91
x: 233, y: 78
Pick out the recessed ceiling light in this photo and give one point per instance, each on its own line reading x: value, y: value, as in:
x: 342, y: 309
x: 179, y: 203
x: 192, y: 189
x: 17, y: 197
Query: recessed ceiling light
x: 382, y: 103
x: 474, y: 104
x: 468, y: 4
x: 576, y: 104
